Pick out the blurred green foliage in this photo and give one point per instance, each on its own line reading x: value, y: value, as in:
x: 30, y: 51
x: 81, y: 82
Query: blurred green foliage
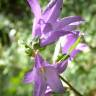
x: 15, y: 27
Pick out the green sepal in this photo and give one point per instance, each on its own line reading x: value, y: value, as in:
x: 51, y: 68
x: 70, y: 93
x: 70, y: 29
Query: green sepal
x: 59, y: 57
x: 62, y: 57
x: 29, y: 52
x: 36, y: 44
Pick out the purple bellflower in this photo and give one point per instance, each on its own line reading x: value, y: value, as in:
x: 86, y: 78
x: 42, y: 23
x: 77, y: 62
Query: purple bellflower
x: 64, y: 44
x: 49, y: 27
x: 47, y: 24
x: 42, y: 76
x: 68, y: 40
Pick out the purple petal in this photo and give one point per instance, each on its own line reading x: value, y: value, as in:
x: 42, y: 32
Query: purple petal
x: 70, y: 27
x: 35, y: 7
x: 80, y: 48
x: 39, y: 84
x: 68, y: 20
x: 30, y: 76
x: 52, y: 12
x: 39, y: 61
x: 52, y: 79
x: 48, y: 92
x: 67, y: 41
x: 77, y: 22
x: 61, y: 66
x: 51, y: 37
x: 49, y: 6
x: 46, y: 27
x: 36, y: 30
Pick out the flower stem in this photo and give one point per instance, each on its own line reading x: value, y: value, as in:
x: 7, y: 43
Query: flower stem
x: 71, y: 87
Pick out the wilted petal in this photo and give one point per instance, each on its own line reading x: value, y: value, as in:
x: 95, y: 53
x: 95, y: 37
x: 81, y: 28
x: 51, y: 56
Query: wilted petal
x: 80, y: 48
x: 30, y: 76
x: 52, y: 79
x: 68, y: 20
x: 35, y: 7
x: 40, y: 84
x: 67, y: 41
x: 51, y: 37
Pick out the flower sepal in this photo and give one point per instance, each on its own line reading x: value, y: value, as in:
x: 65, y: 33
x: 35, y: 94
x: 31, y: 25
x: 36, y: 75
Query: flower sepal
x: 62, y: 57
x: 28, y: 50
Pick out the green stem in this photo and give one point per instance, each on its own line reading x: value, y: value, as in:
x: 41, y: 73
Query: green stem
x: 71, y: 87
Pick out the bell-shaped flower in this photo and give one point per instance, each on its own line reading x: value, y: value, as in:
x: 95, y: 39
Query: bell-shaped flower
x: 64, y: 44
x: 47, y: 23
x: 68, y: 41
x: 43, y: 75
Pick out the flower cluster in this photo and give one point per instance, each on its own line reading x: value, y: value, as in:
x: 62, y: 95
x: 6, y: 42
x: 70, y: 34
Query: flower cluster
x: 49, y: 28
